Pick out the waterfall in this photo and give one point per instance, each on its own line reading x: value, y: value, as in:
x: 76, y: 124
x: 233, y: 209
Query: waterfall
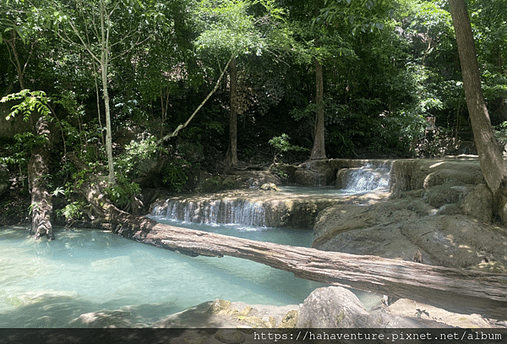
x: 253, y: 208
x: 370, y: 177
x: 214, y: 211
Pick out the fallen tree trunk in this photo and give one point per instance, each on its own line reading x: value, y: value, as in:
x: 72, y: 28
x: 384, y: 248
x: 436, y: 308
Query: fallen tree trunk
x: 447, y: 288
x: 451, y: 289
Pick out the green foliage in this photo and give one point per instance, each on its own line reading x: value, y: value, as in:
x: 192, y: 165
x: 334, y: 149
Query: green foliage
x: 282, y: 145
x: 388, y: 66
x: 30, y: 101
x: 175, y: 174
x: 127, y: 166
x: 137, y: 153
x: 20, y: 149
x: 123, y: 192
x: 72, y: 212
x: 227, y: 28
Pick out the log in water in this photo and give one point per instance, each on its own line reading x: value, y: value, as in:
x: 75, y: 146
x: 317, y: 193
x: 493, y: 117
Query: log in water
x: 451, y: 289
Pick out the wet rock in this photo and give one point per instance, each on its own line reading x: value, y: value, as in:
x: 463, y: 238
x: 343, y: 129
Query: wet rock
x: 104, y: 319
x: 341, y: 178
x: 253, y: 207
x: 269, y: 187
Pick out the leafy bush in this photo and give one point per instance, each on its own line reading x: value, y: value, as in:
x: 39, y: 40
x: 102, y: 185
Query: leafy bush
x: 72, y: 212
x: 175, y: 175
x: 123, y: 192
x: 282, y: 145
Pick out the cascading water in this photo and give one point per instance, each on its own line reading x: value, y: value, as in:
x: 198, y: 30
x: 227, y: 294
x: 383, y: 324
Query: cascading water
x: 258, y: 209
x: 214, y: 211
x: 367, y: 178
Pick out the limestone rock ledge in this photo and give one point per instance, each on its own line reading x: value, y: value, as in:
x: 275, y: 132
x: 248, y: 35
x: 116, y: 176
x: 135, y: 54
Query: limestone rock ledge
x: 404, y: 228
x: 328, y: 307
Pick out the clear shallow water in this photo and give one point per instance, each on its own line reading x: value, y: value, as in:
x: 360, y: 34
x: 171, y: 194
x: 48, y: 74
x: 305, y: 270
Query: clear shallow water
x: 49, y: 284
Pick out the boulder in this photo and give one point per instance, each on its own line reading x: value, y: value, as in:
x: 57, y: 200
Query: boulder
x: 369, y: 229
x: 447, y: 193
x: 400, y: 228
x: 479, y: 203
x: 337, y: 307
x: 444, y: 175
x: 459, y: 241
x: 315, y: 173
x: 413, y: 174
x: 332, y: 307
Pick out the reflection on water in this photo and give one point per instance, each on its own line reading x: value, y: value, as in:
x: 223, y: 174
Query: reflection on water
x: 50, y: 284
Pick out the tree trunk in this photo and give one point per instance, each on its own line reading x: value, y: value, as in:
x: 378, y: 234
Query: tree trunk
x: 446, y: 288
x: 490, y: 157
x: 232, y: 151
x: 104, y: 66
x: 319, y: 145
x: 41, y: 205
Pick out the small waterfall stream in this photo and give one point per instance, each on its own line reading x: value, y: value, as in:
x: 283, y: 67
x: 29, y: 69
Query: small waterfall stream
x: 214, y: 211
x: 259, y: 209
x: 368, y: 178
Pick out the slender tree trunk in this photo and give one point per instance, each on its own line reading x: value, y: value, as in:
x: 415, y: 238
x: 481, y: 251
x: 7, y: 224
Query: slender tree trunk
x: 490, y: 157
x: 104, y: 64
x: 15, y: 59
x: 109, y: 140
x: 319, y: 144
x: 41, y: 205
x: 232, y: 152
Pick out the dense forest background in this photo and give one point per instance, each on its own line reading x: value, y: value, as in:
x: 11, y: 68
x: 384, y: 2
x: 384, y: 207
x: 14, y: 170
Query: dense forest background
x: 172, y: 93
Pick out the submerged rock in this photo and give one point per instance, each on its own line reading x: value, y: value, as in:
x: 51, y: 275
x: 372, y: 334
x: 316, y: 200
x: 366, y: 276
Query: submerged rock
x: 227, y: 314
x: 104, y: 319
x: 269, y: 187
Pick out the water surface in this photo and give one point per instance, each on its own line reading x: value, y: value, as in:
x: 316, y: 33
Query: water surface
x: 50, y: 284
